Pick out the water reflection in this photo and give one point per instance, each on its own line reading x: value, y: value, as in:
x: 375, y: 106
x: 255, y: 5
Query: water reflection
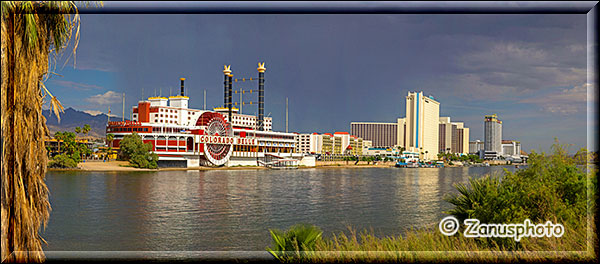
x: 233, y: 210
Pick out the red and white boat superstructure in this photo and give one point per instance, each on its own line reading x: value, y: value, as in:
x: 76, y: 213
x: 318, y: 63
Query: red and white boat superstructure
x: 185, y: 137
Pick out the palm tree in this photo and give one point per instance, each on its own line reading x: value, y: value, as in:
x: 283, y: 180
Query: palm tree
x: 78, y: 130
x: 109, y: 138
x: 32, y: 34
x: 58, y: 136
x: 86, y: 129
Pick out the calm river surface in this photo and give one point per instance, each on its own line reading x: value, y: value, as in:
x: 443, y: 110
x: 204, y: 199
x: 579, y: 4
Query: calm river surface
x: 233, y: 210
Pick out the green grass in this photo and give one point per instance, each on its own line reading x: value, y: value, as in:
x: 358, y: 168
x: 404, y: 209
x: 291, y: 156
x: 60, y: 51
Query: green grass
x: 553, y: 188
x: 430, y: 245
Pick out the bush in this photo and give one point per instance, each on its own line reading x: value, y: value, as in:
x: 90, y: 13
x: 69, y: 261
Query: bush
x: 551, y: 188
x: 301, y: 237
x: 63, y: 161
x: 147, y: 160
x: 140, y: 155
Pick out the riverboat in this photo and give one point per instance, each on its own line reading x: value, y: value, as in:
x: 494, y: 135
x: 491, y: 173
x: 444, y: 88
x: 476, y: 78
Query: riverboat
x: 186, y: 137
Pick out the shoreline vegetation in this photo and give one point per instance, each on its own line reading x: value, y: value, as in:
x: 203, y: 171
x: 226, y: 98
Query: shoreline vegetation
x: 116, y: 165
x: 553, y: 187
x: 125, y: 166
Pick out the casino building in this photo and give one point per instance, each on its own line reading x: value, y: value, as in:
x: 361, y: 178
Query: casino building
x: 185, y: 137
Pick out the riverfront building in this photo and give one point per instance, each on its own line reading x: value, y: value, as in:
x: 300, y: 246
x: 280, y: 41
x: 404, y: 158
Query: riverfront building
x: 422, y: 131
x: 309, y: 143
x: 475, y: 146
x: 356, y: 145
x: 327, y: 143
x: 422, y: 125
x: 401, y: 138
x: 339, y: 143
x: 381, y: 134
x: 492, y: 127
x: 511, y: 148
x: 454, y: 136
x: 302, y: 143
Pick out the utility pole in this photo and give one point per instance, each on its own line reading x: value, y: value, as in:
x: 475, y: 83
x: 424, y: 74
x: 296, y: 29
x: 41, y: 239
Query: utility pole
x: 286, y: 115
x: 204, y: 99
x: 240, y: 100
x: 124, y: 106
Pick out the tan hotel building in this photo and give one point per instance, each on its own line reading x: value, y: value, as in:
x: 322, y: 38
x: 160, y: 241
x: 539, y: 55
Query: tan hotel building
x: 454, y: 136
x: 382, y: 135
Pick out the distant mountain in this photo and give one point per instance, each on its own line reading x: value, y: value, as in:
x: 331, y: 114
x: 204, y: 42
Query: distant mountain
x: 72, y: 118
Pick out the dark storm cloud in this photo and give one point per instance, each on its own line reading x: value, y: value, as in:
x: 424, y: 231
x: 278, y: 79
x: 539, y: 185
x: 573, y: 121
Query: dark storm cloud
x: 341, y: 68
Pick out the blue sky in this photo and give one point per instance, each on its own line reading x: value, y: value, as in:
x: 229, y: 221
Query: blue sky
x: 530, y: 69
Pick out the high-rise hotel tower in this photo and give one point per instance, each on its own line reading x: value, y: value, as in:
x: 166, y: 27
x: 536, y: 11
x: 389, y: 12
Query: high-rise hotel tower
x: 492, y: 134
x: 422, y: 125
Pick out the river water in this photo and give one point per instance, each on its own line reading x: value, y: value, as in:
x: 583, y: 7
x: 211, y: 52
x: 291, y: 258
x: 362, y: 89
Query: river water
x: 222, y: 210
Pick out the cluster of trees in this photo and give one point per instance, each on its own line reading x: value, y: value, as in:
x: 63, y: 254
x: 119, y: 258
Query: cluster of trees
x: 70, y: 152
x: 139, y: 155
x: 370, y: 159
x: 463, y: 158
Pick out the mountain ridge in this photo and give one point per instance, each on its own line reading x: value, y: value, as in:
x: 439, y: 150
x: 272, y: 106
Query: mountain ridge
x: 72, y: 118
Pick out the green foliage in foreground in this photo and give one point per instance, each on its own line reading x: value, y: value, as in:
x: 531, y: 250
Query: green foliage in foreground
x: 133, y: 149
x: 552, y: 188
x: 288, y: 245
x: 430, y: 245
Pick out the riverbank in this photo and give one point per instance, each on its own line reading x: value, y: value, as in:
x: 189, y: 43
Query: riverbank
x: 124, y: 166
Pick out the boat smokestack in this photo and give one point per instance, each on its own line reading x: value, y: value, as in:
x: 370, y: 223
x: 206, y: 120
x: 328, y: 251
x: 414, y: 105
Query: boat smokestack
x: 182, y: 90
x: 230, y: 97
x: 226, y: 72
x: 261, y: 95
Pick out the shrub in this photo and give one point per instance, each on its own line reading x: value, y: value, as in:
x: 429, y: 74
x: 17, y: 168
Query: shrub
x: 551, y: 188
x: 287, y: 245
x: 63, y: 161
x: 147, y: 160
x: 140, y: 155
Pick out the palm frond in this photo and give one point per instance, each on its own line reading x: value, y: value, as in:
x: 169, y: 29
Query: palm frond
x: 33, y: 34
x: 55, y: 105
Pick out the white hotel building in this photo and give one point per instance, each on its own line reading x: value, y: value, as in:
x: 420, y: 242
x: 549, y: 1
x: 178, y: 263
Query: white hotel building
x: 422, y: 125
